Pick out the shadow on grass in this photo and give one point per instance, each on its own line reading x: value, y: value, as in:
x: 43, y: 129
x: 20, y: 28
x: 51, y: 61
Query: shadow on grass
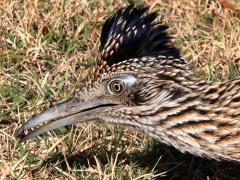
x: 177, y: 165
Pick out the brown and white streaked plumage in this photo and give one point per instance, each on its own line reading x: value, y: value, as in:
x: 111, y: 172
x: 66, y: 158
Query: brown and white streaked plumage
x: 141, y: 81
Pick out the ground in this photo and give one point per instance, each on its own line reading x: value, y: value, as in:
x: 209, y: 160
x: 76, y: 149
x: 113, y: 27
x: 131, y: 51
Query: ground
x: 46, y: 48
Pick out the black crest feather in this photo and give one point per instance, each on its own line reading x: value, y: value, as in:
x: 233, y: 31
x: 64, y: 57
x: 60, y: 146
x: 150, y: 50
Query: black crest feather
x: 131, y: 33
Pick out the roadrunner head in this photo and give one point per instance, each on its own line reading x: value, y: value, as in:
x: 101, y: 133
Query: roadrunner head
x: 140, y: 80
x: 125, y: 79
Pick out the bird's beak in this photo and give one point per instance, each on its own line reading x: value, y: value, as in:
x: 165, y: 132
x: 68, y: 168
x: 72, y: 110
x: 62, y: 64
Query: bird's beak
x: 62, y: 114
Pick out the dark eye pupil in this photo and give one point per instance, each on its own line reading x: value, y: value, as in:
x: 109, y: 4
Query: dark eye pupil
x: 117, y: 87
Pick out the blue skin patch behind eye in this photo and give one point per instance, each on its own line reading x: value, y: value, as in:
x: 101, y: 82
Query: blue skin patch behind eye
x: 130, y: 79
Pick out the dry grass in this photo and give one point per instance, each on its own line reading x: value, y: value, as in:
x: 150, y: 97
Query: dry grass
x: 45, y: 49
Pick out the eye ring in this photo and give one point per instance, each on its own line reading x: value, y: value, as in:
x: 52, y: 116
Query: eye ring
x: 117, y: 86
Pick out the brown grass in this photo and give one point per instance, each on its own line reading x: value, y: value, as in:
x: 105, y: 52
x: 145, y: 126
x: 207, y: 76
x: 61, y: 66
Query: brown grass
x: 45, y: 49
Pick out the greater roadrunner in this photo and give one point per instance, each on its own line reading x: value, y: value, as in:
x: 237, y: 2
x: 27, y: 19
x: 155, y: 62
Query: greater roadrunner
x: 141, y: 81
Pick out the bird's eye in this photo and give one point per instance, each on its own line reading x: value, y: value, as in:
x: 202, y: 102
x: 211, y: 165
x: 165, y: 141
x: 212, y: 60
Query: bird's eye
x: 117, y: 86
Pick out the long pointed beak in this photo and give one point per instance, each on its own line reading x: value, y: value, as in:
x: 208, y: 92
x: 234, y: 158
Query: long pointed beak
x: 62, y: 114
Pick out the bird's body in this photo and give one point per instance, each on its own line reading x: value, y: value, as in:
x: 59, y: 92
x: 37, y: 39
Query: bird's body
x: 141, y: 81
